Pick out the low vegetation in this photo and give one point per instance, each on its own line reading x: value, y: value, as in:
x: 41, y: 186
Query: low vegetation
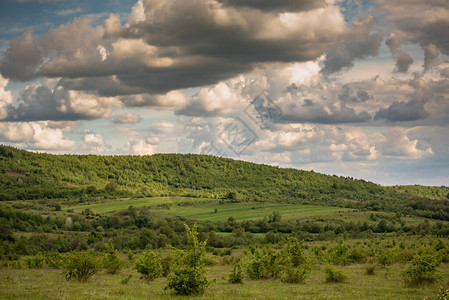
x: 209, y: 227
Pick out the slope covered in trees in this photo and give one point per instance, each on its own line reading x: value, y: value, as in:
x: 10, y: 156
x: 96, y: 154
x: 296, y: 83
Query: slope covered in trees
x: 27, y: 176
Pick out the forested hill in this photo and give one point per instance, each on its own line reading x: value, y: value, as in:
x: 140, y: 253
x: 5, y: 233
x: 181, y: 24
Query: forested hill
x: 27, y: 176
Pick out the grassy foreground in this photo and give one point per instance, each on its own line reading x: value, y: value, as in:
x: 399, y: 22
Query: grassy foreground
x: 50, y: 284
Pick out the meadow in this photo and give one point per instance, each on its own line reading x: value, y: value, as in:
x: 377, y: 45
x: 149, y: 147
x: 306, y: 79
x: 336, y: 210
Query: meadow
x: 266, y: 226
x: 211, y: 209
x: 51, y: 284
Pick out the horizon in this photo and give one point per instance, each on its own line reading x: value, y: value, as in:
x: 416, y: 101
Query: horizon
x: 347, y: 88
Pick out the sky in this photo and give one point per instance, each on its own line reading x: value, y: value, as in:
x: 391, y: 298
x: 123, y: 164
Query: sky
x: 353, y: 88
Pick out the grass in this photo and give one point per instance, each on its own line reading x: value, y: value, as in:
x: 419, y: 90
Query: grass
x: 50, y: 284
x: 250, y: 210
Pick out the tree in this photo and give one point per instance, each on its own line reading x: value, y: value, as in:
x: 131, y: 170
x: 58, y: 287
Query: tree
x: 190, y: 276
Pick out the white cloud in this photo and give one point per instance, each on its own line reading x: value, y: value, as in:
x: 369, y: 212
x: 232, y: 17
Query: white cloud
x: 35, y: 136
x: 6, y: 98
x: 398, y: 144
x: 128, y: 117
x: 94, y: 142
x: 142, y: 146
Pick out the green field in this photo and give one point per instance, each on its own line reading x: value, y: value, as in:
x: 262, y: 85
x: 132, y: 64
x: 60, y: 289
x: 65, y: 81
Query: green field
x: 123, y: 204
x: 251, y: 210
x: 202, y: 209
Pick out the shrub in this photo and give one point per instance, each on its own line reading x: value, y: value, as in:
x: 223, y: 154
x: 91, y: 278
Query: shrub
x: 262, y: 264
x: 237, y: 275
x: 111, y: 262
x: 422, y: 270
x: 80, y: 265
x: 334, y: 276
x: 187, y: 281
x: 190, y: 276
x: 35, y: 262
x: 149, y: 265
x: 294, y: 274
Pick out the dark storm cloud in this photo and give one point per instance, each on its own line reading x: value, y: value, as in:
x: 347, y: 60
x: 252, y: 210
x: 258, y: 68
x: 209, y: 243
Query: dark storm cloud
x: 430, y: 57
x: 425, y: 23
x: 169, y: 45
x: 315, y: 113
x: 277, y: 5
x: 403, y: 111
x: 403, y: 60
x: 347, y: 95
x: 359, y: 44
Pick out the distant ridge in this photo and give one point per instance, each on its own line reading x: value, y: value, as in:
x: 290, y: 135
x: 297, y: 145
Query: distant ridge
x: 28, y: 176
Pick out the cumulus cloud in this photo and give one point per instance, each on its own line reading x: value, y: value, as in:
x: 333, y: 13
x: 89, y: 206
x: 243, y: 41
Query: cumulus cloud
x: 128, y: 117
x: 358, y: 43
x: 6, y: 98
x: 39, y: 102
x: 398, y: 144
x: 169, y: 45
x: 420, y: 22
x: 35, y: 135
x: 431, y: 53
x: 217, y: 100
x: 171, y: 100
x: 403, y: 111
x: 403, y: 60
x: 142, y: 146
x: 94, y: 142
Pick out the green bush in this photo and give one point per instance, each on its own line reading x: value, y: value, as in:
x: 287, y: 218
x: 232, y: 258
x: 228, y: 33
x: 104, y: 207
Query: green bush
x: 334, y: 275
x: 149, y: 265
x: 237, y: 275
x: 190, y: 276
x: 294, y: 274
x: 422, y: 270
x: 187, y: 281
x: 262, y: 264
x: 35, y: 262
x: 111, y: 262
x: 80, y: 265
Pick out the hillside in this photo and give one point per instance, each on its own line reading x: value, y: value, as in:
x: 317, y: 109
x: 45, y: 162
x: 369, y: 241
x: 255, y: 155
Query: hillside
x: 27, y: 176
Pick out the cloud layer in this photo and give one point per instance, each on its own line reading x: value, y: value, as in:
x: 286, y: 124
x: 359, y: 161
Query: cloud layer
x: 358, y: 90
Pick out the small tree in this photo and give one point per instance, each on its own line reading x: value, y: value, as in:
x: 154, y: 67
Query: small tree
x: 111, y: 262
x: 422, y: 270
x: 149, y: 265
x: 80, y: 265
x: 237, y: 275
x: 294, y: 262
x: 190, y: 276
